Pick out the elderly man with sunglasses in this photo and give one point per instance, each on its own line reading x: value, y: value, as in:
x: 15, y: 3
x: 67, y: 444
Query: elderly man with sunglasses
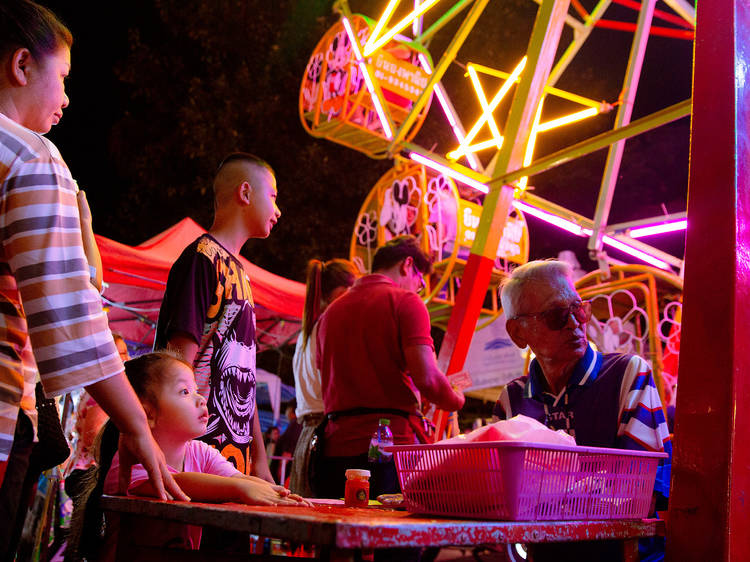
x: 601, y: 399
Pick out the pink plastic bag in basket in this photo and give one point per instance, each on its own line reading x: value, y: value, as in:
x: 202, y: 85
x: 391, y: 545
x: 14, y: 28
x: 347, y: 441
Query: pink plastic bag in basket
x: 518, y: 428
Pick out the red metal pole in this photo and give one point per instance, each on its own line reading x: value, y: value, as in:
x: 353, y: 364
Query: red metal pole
x: 655, y: 30
x: 709, y: 512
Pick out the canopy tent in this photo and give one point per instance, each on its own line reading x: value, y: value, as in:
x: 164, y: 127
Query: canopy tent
x: 135, y: 278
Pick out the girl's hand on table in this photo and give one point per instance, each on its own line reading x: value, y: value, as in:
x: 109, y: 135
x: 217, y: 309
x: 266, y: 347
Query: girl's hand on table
x: 256, y: 491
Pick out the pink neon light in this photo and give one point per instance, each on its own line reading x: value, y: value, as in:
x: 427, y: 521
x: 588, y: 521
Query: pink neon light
x: 643, y: 256
x: 661, y: 228
x: 578, y: 230
x: 368, y: 80
x: 448, y: 172
x: 425, y: 64
x: 352, y: 39
x: 559, y: 222
x: 440, y: 93
x: 416, y: 24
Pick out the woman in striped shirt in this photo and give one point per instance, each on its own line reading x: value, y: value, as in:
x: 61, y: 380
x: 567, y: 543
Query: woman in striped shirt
x: 52, y: 325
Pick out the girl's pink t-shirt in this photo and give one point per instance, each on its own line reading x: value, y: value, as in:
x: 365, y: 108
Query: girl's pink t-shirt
x: 199, y: 457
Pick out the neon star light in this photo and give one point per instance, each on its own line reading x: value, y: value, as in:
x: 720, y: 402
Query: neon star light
x: 368, y: 79
x: 465, y: 149
x: 376, y: 41
x: 529, y: 154
x: 567, y: 119
x: 486, y: 116
x: 485, y: 106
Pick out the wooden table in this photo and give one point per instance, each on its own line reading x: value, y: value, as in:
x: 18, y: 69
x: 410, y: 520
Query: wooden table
x: 342, y: 532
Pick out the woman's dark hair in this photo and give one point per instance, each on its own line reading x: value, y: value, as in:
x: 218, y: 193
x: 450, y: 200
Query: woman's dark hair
x: 26, y: 24
x: 322, y: 279
x: 399, y: 248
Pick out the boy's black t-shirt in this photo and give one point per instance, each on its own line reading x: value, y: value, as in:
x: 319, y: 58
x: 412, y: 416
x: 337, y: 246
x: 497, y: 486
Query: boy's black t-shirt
x: 208, y: 295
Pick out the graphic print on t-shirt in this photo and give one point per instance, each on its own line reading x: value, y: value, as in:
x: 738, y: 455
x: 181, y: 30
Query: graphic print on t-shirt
x: 225, y: 366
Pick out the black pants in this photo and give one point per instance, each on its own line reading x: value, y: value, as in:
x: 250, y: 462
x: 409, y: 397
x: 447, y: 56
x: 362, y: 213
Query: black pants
x: 331, y: 478
x: 16, y: 488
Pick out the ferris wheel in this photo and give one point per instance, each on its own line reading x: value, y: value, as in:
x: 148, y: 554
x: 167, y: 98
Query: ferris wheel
x: 371, y: 81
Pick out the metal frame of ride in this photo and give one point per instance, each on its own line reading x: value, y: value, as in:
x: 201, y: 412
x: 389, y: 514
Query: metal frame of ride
x: 503, y: 180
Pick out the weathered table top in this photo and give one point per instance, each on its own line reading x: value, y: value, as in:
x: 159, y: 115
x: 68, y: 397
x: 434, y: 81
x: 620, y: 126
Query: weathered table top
x: 347, y: 527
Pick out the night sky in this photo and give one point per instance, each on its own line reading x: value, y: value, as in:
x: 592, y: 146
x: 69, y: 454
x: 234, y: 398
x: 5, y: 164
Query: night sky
x: 160, y: 91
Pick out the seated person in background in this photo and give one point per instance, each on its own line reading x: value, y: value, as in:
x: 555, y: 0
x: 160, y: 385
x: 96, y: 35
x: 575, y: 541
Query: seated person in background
x: 287, y: 442
x: 270, y: 438
x: 90, y: 418
x: 603, y: 400
x: 326, y: 281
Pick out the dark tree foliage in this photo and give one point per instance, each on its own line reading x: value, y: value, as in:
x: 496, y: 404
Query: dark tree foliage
x: 214, y: 77
x: 163, y: 89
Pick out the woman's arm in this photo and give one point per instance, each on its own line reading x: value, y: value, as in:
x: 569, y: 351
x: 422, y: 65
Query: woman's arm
x: 89, y: 242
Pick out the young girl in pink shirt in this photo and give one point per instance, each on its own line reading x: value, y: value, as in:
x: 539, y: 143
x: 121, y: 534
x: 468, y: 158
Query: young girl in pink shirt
x: 177, y: 415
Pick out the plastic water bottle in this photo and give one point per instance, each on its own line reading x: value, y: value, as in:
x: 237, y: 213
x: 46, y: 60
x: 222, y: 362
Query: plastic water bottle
x: 380, y: 439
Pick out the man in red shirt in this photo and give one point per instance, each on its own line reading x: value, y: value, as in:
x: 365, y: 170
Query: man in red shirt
x: 377, y: 360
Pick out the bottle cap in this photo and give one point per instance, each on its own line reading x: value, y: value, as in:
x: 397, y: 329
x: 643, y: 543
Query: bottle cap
x: 384, y: 421
x: 357, y: 473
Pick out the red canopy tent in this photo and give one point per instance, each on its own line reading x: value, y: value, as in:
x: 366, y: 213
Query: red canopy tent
x: 135, y: 279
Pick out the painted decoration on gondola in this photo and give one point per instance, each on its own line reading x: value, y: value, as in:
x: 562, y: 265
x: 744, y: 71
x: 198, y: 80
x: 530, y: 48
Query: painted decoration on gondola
x: 336, y: 103
x: 413, y: 199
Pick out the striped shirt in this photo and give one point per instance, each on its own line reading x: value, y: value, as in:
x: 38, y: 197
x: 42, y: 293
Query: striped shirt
x: 610, y: 401
x: 52, y: 324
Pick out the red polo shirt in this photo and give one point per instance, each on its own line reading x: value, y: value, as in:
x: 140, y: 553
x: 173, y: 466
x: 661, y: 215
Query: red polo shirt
x: 360, y: 351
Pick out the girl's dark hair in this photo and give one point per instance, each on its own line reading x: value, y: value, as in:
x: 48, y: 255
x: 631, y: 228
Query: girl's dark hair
x: 26, y: 24
x: 146, y: 372
x: 322, y: 279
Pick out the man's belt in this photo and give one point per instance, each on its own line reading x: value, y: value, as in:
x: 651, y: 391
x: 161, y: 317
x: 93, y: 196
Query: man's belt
x: 424, y: 428
x: 333, y: 416
x: 313, y: 418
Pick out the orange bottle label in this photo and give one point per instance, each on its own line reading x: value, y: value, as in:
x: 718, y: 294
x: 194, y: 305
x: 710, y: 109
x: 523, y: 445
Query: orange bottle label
x: 357, y: 493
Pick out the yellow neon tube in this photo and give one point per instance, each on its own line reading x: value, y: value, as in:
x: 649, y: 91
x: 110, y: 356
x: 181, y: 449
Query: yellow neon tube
x: 493, y: 104
x: 373, y: 43
x: 382, y: 21
x: 572, y: 118
x: 485, y: 106
x: 456, y: 154
x: 547, y: 89
x: 524, y: 181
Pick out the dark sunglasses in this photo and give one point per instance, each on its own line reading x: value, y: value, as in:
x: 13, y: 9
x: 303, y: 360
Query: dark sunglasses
x: 557, y: 318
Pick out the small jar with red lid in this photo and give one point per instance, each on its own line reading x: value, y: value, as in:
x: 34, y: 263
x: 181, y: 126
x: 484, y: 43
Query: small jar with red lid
x: 357, y: 491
